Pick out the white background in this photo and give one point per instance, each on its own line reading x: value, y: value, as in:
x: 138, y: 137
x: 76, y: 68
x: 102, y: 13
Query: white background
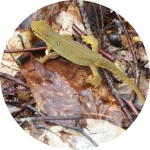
x: 13, y: 12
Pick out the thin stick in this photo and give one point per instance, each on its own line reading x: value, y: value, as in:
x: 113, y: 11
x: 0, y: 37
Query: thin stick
x: 116, y: 94
x: 84, y: 16
x: 13, y: 79
x: 137, y: 69
x: 35, y: 110
x: 79, y: 129
x: 25, y: 50
x: 28, y: 119
x: 102, y: 24
x: 21, y: 39
x: 131, y: 105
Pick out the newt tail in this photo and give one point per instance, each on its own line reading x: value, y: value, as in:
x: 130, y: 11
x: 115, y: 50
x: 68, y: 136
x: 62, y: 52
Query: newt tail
x: 110, y: 66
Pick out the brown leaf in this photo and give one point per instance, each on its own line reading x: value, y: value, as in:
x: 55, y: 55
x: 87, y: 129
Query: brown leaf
x: 67, y: 18
x: 76, y: 75
x: 21, y: 39
x: 117, y: 117
x: 100, y: 131
x: 53, y: 93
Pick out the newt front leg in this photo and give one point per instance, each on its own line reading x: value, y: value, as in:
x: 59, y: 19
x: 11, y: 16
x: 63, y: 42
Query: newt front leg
x: 46, y: 56
x: 94, y: 79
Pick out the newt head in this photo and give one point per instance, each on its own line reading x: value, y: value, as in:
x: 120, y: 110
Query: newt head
x: 36, y: 25
x: 40, y: 28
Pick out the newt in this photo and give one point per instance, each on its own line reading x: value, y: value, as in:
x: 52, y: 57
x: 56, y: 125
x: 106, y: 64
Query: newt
x: 80, y: 54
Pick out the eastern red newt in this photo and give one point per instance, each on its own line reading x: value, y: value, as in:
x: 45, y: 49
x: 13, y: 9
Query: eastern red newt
x: 80, y: 54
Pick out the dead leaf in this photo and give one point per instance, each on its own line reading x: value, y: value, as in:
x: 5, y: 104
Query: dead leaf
x: 54, y: 140
x: 67, y: 18
x: 13, y: 109
x: 125, y: 55
x: 136, y: 39
x: 117, y: 117
x: 8, y: 88
x: 99, y: 130
x: 52, y: 92
x: 15, y: 41
x: 21, y: 39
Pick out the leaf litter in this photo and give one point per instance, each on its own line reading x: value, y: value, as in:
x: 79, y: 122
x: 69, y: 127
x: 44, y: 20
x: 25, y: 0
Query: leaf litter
x: 59, y: 88
x: 51, y: 89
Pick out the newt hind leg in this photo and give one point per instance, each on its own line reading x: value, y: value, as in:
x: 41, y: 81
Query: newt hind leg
x: 94, y: 79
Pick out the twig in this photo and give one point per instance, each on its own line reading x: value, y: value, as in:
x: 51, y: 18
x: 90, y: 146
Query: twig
x: 22, y: 105
x: 84, y: 17
x: 137, y: 69
x: 14, y: 103
x: 89, y: 138
x: 28, y: 119
x: 79, y: 129
x: 77, y: 30
x: 102, y: 24
x: 96, y: 16
x: 105, y: 54
x: 116, y: 94
x: 35, y: 110
x: 132, y: 32
x: 25, y: 50
x: 45, y: 128
x: 131, y: 105
x: 52, y: 118
x: 21, y: 40
x: 13, y: 79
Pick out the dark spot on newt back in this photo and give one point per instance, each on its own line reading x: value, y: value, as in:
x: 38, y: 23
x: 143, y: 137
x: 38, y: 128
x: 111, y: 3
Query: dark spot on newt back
x: 58, y: 43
